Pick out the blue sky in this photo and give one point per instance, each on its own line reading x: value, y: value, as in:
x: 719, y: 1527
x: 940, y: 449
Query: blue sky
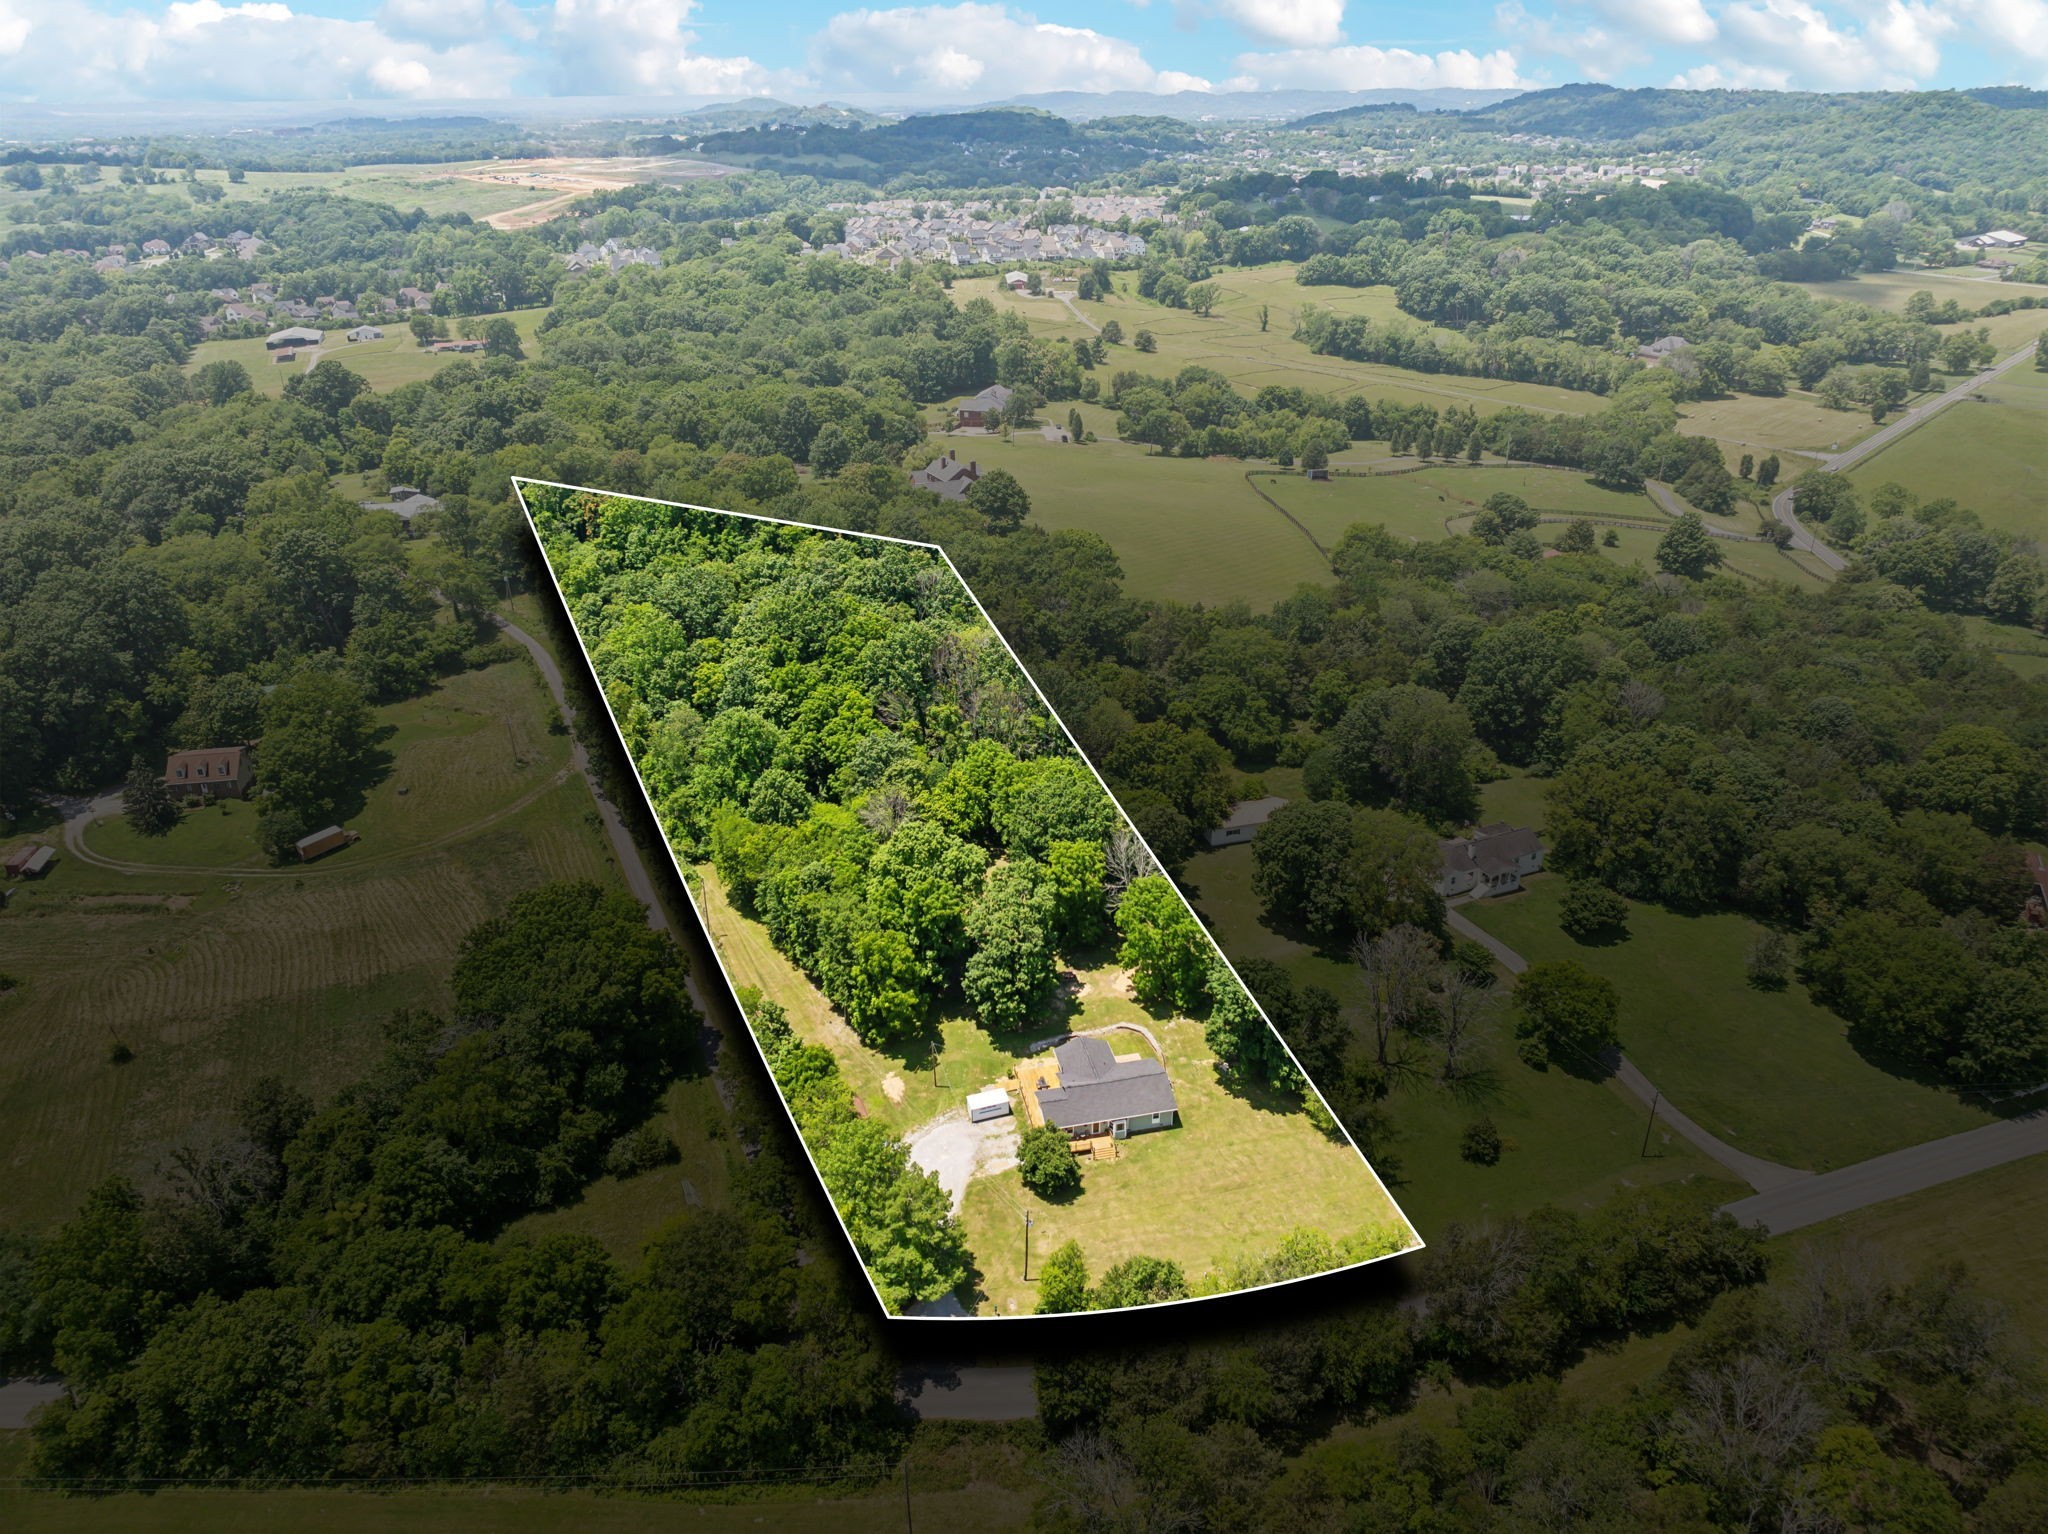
x: 442, y: 52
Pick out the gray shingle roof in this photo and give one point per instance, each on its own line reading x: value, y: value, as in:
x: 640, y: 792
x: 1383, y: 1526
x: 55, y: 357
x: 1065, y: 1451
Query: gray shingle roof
x: 1096, y: 1087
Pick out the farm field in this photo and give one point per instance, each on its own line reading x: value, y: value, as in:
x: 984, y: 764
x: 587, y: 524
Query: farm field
x: 1184, y: 529
x: 1234, y: 1179
x: 1231, y: 342
x: 217, y: 974
x: 1986, y: 453
x: 432, y: 189
x: 1769, y: 1072
x: 1236, y: 1175
x: 385, y: 364
x: 1570, y: 1141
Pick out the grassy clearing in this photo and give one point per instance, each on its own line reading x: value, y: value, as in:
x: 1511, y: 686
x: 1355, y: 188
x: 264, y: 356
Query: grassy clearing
x: 1230, y: 341
x: 215, y: 978
x: 625, y: 1214
x: 1795, y: 423
x: 1184, y: 529
x: 1977, y: 1221
x: 1235, y: 1178
x: 1570, y: 1142
x: 1422, y: 505
x: 1984, y: 452
x: 385, y: 364
x: 432, y: 189
x: 1237, y: 1175
x: 1769, y: 1072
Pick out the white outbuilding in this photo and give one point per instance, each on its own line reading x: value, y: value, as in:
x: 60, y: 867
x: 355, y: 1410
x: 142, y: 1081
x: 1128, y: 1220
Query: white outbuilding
x: 993, y: 1103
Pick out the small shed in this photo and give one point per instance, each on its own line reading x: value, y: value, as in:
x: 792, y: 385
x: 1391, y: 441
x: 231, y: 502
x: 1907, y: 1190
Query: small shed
x: 29, y: 862
x: 320, y: 843
x: 994, y: 1103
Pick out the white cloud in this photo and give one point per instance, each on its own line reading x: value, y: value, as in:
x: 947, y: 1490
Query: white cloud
x: 202, y: 49
x: 1297, y: 23
x: 1595, y: 53
x: 1731, y: 77
x: 978, y: 50
x: 641, y: 47
x: 1894, y: 50
x: 1361, y: 67
x: 2020, y: 26
x: 1681, y: 22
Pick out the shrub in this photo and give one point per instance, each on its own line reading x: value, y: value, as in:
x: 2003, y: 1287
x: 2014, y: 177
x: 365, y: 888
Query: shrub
x: 1480, y: 1144
x: 640, y: 1150
x: 1770, y: 960
x: 1590, y: 911
x: 1045, y: 1161
x: 120, y: 1054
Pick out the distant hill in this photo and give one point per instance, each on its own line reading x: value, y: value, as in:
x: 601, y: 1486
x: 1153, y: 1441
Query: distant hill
x: 1243, y: 106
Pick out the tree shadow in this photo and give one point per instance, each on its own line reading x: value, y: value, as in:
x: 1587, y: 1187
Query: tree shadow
x: 1605, y: 937
x: 377, y: 763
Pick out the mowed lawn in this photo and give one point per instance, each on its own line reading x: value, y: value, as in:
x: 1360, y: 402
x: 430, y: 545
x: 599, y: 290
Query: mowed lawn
x: 1184, y: 529
x: 384, y: 365
x: 219, y: 976
x: 1770, y: 1072
x: 1238, y: 1174
x: 1989, y: 454
x: 1570, y: 1142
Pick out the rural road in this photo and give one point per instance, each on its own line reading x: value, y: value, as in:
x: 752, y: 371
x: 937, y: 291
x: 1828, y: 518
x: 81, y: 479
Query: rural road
x: 1834, y: 463
x: 1068, y: 300
x: 1814, y: 1199
x: 1666, y: 500
x: 1787, y: 1198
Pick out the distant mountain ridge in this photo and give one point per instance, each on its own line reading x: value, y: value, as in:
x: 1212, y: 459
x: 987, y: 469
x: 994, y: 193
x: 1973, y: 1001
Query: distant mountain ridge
x: 1243, y: 106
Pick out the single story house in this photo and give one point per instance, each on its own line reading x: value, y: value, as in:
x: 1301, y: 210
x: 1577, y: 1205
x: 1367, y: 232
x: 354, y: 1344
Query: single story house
x: 1493, y: 860
x: 156, y: 247
x: 1244, y: 821
x: 404, y: 502
x: 1663, y: 347
x: 366, y: 333
x: 240, y: 314
x: 293, y: 335
x: 975, y: 412
x: 223, y: 772
x: 946, y: 475
x: 1099, y: 1094
x: 457, y: 346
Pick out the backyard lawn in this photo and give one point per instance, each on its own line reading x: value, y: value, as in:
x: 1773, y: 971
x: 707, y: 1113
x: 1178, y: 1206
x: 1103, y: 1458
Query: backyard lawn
x: 1769, y: 1072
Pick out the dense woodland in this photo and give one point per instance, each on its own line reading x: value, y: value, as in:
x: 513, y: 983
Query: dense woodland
x: 320, y: 1294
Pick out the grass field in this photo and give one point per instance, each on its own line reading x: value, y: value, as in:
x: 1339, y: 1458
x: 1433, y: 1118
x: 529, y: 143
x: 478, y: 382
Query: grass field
x: 1977, y: 1221
x: 385, y: 364
x: 1184, y: 529
x: 1570, y: 1142
x: 1237, y: 1175
x: 1769, y: 1072
x: 219, y: 976
x: 1230, y: 341
x: 1987, y: 454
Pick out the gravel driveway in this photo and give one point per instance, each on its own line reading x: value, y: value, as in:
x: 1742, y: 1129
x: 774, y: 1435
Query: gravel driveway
x: 959, y: 1150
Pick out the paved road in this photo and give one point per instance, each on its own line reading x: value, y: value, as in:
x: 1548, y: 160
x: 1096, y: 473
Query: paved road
x: 940, y: 1393
x: 1782, y: 504
x: 1893, y: 1176
x: 1755, y: 1170
x: 1787, y: 1198
x: 1666, y: 500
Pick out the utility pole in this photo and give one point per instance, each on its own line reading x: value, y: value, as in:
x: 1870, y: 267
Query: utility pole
x: 908, y: 1526
x: 1655, y: 1098
x: 1027, y: 1247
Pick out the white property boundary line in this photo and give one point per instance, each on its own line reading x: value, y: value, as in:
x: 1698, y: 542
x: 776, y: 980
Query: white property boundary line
x: 519, y: 482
